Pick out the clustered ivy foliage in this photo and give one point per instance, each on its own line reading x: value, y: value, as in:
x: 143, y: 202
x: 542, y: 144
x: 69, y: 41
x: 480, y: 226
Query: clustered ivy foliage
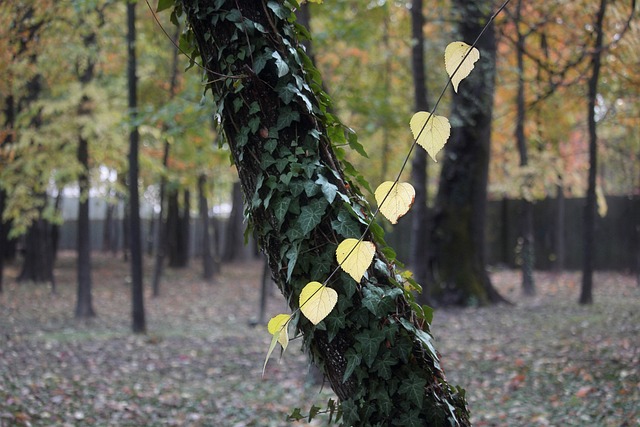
x: 302, y: 199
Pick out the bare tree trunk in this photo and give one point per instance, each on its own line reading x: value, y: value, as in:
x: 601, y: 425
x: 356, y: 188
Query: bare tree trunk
x: 559, y: 230
x: 586, y: 293
x: 457, y: 245
x: 135, y: 239
x: 84, y: 303
x: 375, y: 353
x: 160, y: 238
x: 527, y: 254
x: 209, y: 266
x: 37, y: 265
x: 419, y: 170
x: 233, y: 249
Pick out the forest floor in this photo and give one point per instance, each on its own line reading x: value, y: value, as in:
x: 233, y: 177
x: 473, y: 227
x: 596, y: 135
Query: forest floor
x: 543, y: 361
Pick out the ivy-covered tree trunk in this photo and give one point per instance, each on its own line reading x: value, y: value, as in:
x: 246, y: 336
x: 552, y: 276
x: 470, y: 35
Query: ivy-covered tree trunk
x: 374, y: 347
x: 457, y: 261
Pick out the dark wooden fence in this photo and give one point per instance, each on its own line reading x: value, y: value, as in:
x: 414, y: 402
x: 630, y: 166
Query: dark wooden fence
x: 617, y: 234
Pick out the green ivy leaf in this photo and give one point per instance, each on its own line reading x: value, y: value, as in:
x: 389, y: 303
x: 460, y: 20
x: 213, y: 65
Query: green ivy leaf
x: 292, y: 258
x: 353, y: 360
x: 370, y: 340
x: 328, y: 189
x: 346, y: 226
x: 413, y: 389
x: 260, y: 61
x: 283, y: 68
x: 411, y: 419
x: 371, y: 298
x: 424, y: 337
x: 286, y: 117
x: 280, y: 208
x: 280, y: 11
x: 384, y: 365
x: 164, y: 5
x: 350, y: 416
x: 311, y: 215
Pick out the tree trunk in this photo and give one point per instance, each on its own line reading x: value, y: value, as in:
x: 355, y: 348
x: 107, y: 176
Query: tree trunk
x: 559, y: 241
x: 135, y: 239
x: 37, y: 265
x: 372, y: 348
x: 178, y: 229
x: 457, y: 261
x: 234, y: 247
x: 3, y: 237
x: 85, y: 70
x: 185, y: 229
x: 161, y: 236
x: 84, y: 304
x: 586, y: 293
x: 527, y: 254
x: 209, y: 266
x: 419, y: 171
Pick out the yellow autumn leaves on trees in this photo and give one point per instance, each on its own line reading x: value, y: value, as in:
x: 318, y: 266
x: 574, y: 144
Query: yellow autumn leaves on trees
x: 394, y: 199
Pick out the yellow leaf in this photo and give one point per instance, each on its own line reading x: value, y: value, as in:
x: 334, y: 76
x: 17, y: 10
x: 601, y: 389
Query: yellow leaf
x: 277, y: 326
x: 394, y: 200
x: 454, y: 54
x: 430, y: 131
x: 355, y: 257
x: 601, y: 202
x: 317, y: 301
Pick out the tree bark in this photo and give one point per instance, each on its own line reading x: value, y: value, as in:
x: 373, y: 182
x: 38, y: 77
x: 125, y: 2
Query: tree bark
x: 84, y: 303
x: 419, y: 171
x: 527, y: 254
x: 160, y: 232
x: 457, y: 260
x: 586, y: 293
x: 559, y: 229
x: 234, y: 248
x: 135, y: 239
x: 372, y: 348
x: 37, y: 265
x: 209, y: 266
x: 178, y: 229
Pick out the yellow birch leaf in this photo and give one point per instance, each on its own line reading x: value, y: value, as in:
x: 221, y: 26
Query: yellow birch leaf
x: 454, y: 54
x: 601, y: 202
x: 434, y: 135
x: 317, y: 301
x: 394, y: 200
x: 355, y: 257
x: 277, y: 327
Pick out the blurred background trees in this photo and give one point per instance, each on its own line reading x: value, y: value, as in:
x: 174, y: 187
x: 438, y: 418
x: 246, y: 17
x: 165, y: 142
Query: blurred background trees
x: 63, y: 86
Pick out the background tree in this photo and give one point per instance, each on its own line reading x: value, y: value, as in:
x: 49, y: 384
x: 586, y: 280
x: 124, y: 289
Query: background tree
x: 85, y: 70
x: 419, y: 172
x: 137, y: 290
x: 300, y: 204
x: 459, y: 213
